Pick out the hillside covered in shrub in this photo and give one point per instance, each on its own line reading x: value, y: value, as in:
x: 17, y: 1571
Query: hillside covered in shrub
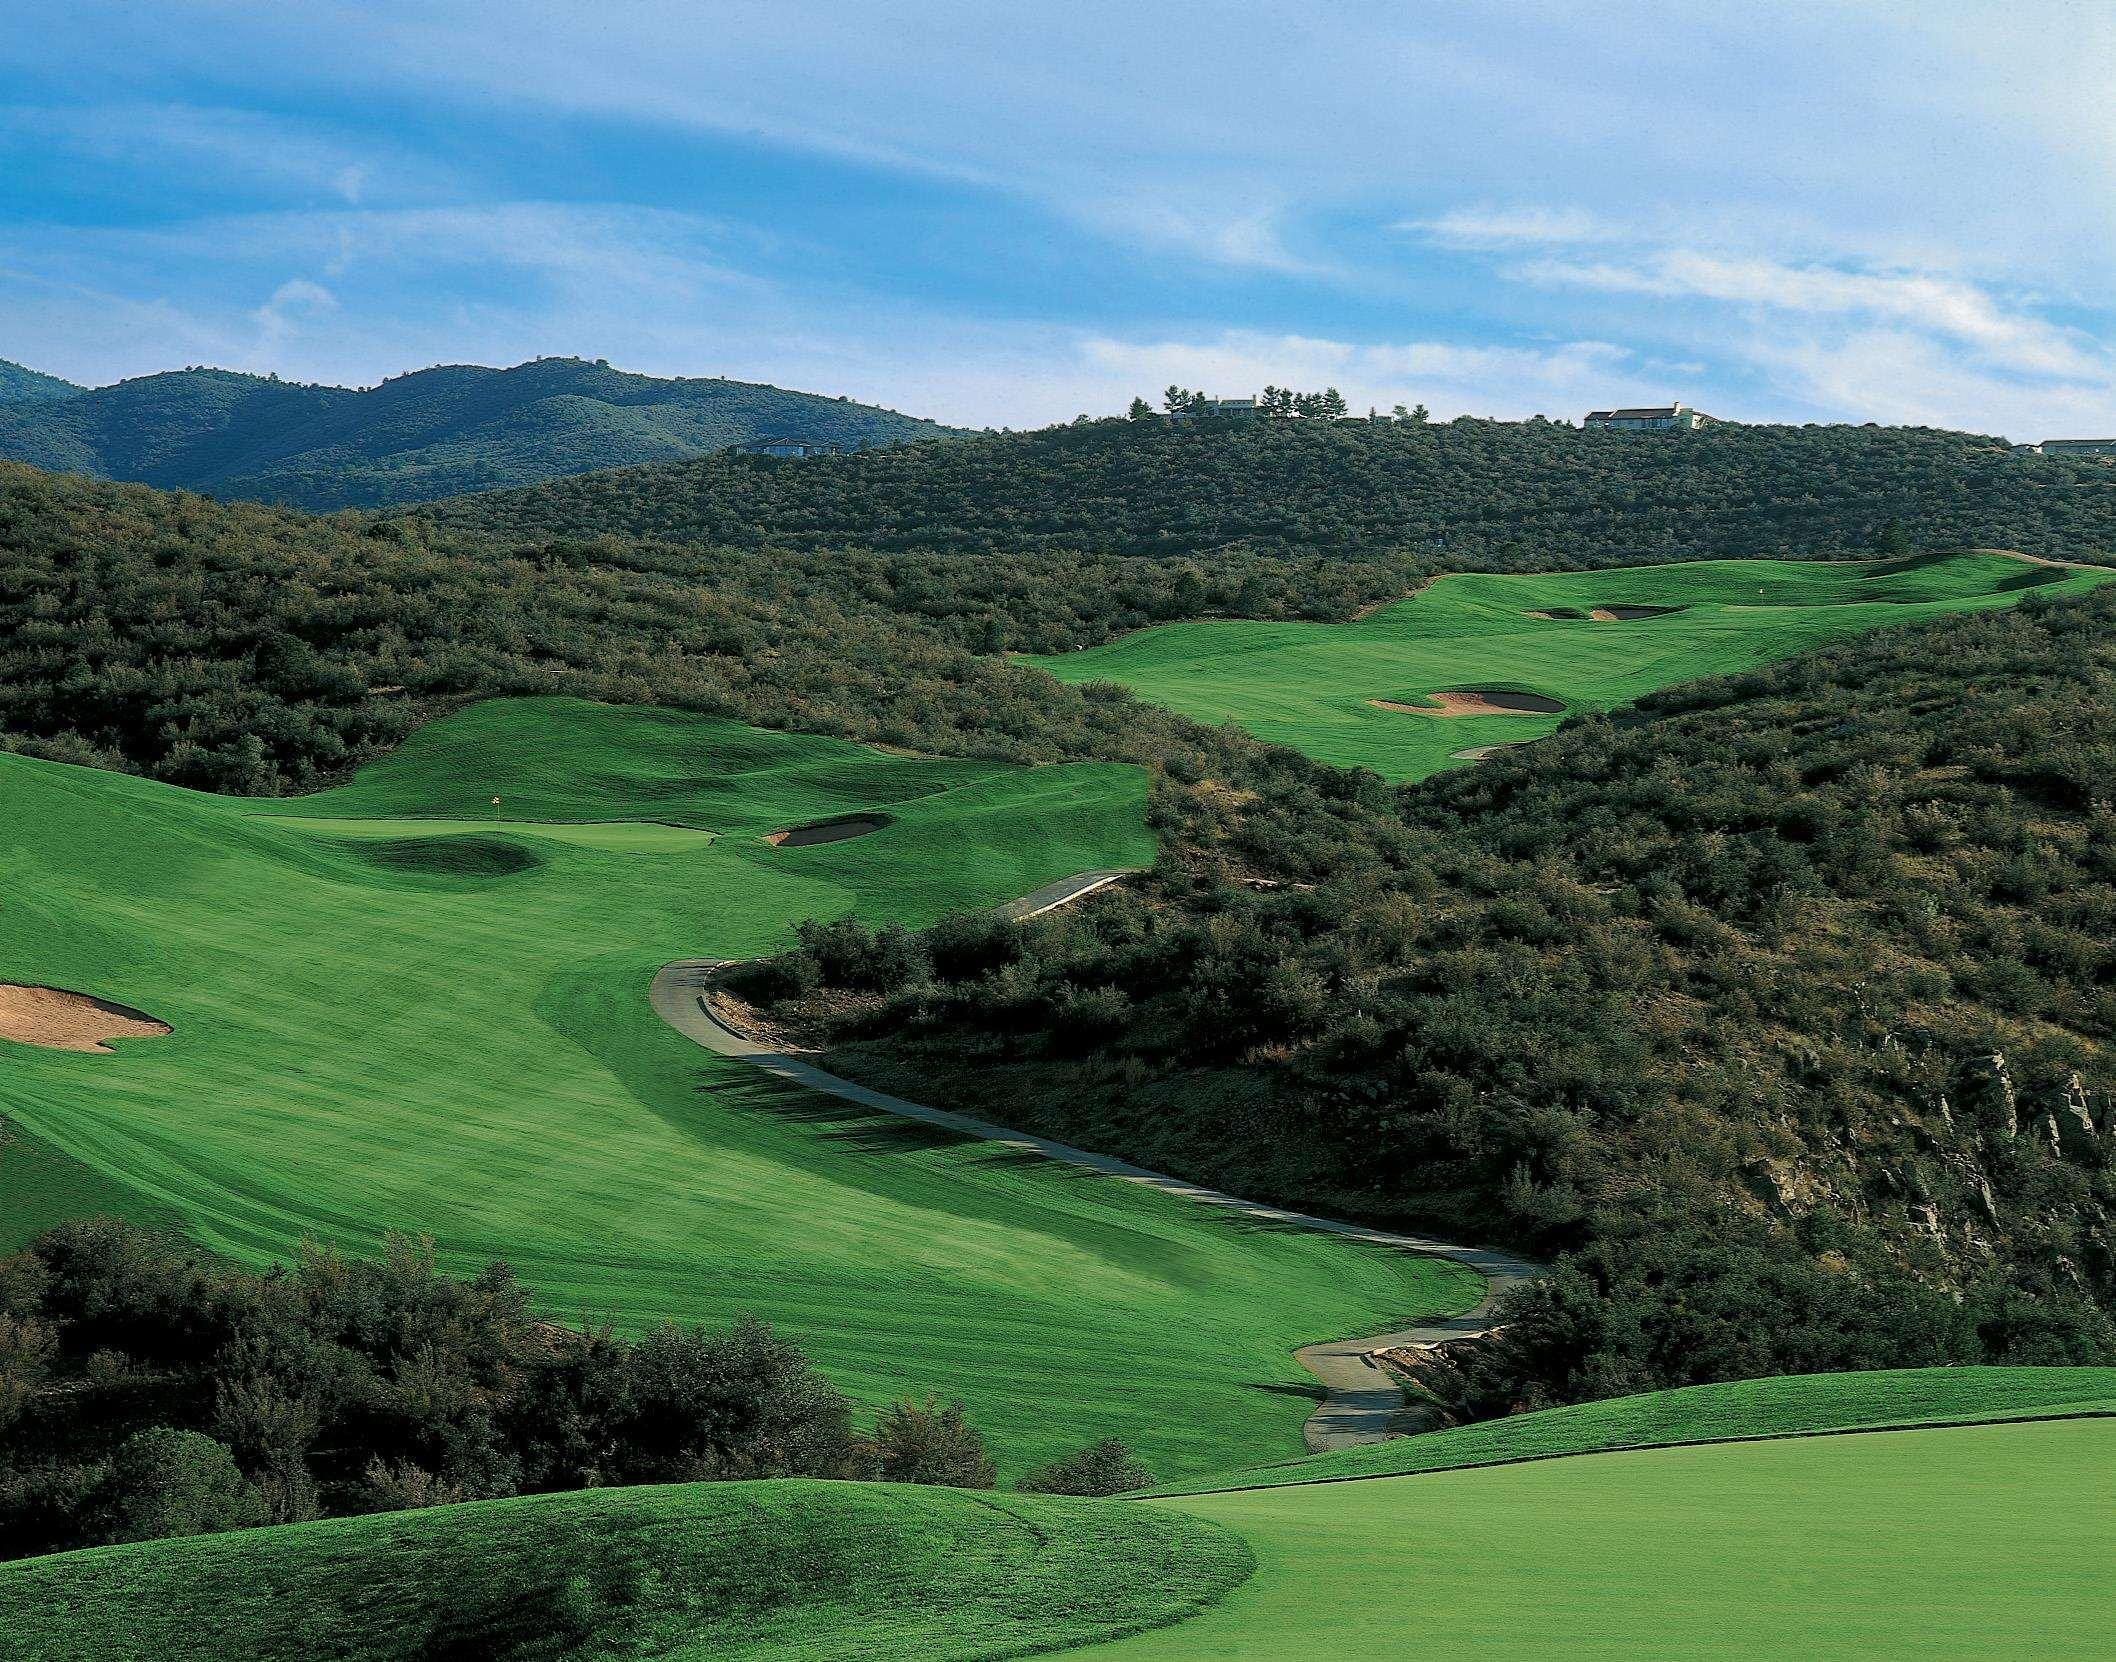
x: 434, y: 432
x: 1467, y: 494
x: 1758, y: 1007
x: 1780, y: 1011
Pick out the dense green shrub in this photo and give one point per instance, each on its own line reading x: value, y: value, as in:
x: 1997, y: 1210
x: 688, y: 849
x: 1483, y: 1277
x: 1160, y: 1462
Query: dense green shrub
x: 927, y: 1443
x: 156, y: 1391
x: 1104, y: 1468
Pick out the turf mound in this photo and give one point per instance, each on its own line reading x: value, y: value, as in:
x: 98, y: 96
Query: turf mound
x: 471, y: 857
x: 1802, y: 1406
x: 839, y: 830
x: 1476, y: 701
x: 55, y: 1019
x: 829, y: 1572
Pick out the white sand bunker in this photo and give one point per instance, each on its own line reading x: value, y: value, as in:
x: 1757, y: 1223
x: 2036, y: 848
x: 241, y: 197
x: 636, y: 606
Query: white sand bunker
x: 1476, y: 701
x: 59, y: 1020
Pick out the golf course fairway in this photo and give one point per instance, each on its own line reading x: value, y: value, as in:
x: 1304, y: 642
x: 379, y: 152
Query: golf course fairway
x: 1325, y: 689
x: 1989, y: 1541
x: 391, y: 1011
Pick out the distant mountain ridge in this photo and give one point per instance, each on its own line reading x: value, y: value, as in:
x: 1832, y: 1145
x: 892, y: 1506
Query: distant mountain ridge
x: 20, y: 384
x: 431, y: 433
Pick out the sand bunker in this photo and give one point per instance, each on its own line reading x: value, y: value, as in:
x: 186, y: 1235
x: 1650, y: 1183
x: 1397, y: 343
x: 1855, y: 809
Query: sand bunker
x: 1604, y: 614
x: 1477, y: 752
x: 69, y: 1021
x: 1476, y: 701
x: 829, y: 830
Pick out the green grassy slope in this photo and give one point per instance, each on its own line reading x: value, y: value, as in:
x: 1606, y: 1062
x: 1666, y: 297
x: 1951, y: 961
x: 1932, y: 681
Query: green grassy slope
x: 457, y: 427
x: 1801, y: 1405
x: 1311, y: 685
x: 827, y: 1572
x: 1986, y: 1541
x: 444, y: 1027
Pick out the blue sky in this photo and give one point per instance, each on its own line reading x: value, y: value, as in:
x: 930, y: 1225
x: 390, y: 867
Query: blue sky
x: 995, y: 214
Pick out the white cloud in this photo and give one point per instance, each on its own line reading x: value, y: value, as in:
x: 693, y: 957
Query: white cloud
x: 1932, y: 303
x: 1510, y: 227
x: 294, y: 300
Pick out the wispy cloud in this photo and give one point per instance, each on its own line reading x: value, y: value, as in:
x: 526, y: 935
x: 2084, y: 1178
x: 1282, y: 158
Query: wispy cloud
x: 1925, y: 301
x: 293, y: 300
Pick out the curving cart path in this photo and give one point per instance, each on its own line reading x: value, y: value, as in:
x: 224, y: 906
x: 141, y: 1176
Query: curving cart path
x: 1361, y: 1403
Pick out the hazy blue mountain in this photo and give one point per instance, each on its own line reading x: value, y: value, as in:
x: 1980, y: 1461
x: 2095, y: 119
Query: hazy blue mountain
x: 22, y: 385
x: 435, y: 432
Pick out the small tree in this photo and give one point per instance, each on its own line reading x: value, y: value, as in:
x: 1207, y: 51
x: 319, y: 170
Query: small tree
x: 165, y: 1482
x: 929, y: 1444
x: 1892, y: 541
x: 1104, y: 1468
x: 1141, y: 410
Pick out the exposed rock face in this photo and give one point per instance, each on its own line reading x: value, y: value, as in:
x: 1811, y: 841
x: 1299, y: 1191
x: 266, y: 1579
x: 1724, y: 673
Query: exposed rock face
x: 1987, y: 1094
x: 2072, y: 1115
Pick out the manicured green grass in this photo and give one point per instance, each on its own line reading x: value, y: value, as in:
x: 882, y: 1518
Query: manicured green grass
x: 1310, y: 685
x: 1987, y: 1542
x: 441, y: 1025
x: 822, y: 1571
x: 1749, y: 1408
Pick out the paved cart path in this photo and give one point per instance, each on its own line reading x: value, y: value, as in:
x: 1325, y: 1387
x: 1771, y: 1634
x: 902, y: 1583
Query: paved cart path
x: 1362, y: 1403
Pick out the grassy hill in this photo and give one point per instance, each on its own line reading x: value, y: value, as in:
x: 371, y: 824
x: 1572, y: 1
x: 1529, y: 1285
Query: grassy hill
x: 1323, y: 688
x: 21, y: 385
x: 389, y: 1010
x: 1986, y: 1539
x: 1477, y: 494
x: 434, y: 432
x: 827, y: 1572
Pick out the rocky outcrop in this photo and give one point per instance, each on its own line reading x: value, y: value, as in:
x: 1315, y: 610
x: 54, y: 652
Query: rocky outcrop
x: 1985, y: 1091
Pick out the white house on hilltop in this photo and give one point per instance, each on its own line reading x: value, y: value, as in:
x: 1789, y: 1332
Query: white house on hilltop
x: 1658, y: 418
x: 1238, y: 408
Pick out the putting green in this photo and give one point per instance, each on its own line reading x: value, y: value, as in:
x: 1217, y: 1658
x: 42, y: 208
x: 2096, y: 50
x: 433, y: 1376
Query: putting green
x: 1315, y: 687
x: 422, y: 1020
x: 1986, y: 1541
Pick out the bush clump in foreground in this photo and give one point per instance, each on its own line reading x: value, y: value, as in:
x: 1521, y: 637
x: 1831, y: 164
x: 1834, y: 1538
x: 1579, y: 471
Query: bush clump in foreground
x: 1104, y: 1468
x: 149, y: 1391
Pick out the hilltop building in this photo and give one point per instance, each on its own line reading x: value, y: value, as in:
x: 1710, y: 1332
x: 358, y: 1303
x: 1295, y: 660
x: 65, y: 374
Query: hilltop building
x: 791, y: 447
x: 1658, y: 418
x: 1240, y: 409
x: 2076, y: 447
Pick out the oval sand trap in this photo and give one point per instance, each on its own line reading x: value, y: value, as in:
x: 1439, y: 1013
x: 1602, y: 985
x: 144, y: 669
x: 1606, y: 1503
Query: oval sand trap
x: 1476, y: 701
x: 829, y: 830
x: 60, y: 1020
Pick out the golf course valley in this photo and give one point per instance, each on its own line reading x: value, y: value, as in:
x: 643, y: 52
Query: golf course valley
x: 1386, y: 692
